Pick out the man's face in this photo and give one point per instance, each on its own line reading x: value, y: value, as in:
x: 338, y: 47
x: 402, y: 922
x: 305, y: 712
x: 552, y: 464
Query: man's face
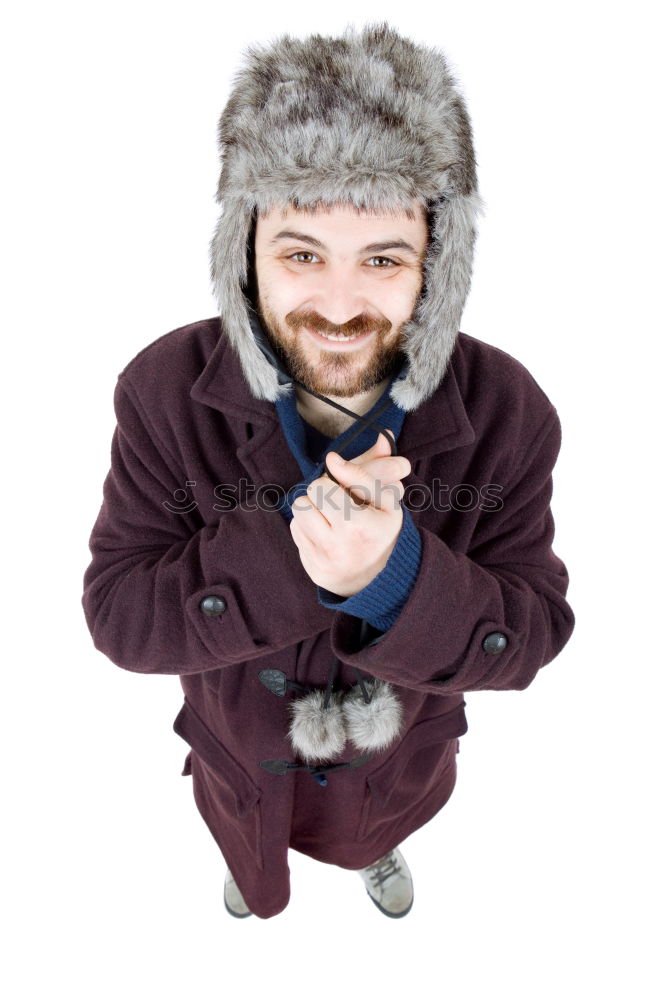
x: 338, y: 272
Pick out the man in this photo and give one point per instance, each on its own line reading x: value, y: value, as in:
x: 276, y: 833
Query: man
x: 328, y: 510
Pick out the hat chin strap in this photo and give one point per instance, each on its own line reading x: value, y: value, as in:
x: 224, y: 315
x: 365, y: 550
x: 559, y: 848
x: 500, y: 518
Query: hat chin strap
x: 362, y: 421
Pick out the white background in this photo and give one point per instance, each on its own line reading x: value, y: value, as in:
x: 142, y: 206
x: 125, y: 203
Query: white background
x: 543, y: 876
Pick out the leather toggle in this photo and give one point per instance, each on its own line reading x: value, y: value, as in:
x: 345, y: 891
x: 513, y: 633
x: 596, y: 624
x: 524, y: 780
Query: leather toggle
x: 277, y: 682
x: 281, y: 767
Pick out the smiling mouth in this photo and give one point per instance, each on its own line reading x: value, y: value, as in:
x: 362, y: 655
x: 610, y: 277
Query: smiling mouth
x: 338, y: 338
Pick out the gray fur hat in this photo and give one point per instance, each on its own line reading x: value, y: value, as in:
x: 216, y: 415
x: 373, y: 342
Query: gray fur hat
x: 368, y: 118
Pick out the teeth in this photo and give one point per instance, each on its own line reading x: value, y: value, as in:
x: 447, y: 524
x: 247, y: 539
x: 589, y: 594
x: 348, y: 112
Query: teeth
x: 338, y: 336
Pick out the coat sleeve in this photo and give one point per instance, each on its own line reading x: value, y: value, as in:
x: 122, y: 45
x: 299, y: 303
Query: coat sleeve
x: 145, y: 589
x: 488, y: 619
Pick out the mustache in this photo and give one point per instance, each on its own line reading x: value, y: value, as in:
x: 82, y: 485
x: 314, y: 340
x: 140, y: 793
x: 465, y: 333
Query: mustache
x: 359, y: 324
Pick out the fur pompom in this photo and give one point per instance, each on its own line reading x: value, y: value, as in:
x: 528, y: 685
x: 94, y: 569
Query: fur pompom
x: 317, y: 734
x: 372, y: 726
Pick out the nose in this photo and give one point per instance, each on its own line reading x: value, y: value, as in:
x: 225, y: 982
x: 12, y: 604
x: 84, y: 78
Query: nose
x: 338, y: 297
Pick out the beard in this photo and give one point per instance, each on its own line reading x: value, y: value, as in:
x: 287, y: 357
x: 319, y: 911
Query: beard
x: 336, y: 373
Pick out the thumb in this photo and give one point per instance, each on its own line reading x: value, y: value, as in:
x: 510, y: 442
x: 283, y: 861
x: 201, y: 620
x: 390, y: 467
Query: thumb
x: 359, y: 481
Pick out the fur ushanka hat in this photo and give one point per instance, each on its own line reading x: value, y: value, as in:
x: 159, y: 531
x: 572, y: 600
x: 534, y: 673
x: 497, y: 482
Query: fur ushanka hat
x: 374, y: 120
x: 370, y: 119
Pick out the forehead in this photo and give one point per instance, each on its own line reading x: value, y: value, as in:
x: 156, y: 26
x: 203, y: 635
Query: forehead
x: 343, y: 217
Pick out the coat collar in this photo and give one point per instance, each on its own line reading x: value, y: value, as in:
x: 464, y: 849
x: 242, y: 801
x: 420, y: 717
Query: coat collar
x: 440, y: 424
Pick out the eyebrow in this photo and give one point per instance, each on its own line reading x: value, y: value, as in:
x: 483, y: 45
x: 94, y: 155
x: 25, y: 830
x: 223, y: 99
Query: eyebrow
x: 290, y: 234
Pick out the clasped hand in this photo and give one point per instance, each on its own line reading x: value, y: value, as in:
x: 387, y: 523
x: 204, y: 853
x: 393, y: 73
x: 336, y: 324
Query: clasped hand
x: 346, y: 533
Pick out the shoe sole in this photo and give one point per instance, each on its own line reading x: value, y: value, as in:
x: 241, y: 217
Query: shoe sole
x: 386, y: 913
x: 233, y: 913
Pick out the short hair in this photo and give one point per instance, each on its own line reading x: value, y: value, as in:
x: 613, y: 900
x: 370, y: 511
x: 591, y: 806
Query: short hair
x: 314, y: 208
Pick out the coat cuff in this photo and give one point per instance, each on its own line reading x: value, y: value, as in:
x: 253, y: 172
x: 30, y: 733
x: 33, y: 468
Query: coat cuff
x: 463, y: 628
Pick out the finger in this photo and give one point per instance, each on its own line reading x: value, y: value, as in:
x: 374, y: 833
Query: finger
x: 334, y: 502
x: 381, y: 447
x: 384, y: 474
x: 357, y: 479
x: 389, y: 469
x: 309, y: 516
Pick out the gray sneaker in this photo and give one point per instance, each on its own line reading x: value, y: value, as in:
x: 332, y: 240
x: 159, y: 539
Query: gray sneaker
x: 388, y: 882
x: 233, y: 900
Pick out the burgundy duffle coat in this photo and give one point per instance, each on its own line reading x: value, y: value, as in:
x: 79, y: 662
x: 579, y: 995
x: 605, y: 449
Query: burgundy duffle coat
x: 192, y: 575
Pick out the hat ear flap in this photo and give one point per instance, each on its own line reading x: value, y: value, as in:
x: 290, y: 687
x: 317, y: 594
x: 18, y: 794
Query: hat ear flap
x: 376, y: 724
x: 317, y: 733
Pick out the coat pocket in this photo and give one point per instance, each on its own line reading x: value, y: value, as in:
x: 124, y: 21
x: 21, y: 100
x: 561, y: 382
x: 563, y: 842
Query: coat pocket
x: 227, y: 798
x: 413, y: 773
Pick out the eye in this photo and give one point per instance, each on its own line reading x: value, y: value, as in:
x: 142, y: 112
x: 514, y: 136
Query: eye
x: 386, y: 260
x: 301, y: 253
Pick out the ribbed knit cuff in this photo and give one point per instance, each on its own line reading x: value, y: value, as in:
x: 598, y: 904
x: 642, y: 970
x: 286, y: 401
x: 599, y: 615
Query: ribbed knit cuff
x: 382, y: 600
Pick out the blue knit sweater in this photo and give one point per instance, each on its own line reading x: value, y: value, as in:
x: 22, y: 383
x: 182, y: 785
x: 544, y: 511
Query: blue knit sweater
x: 382, y: 600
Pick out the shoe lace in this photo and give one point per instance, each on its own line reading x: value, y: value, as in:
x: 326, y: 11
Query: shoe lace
x: 384, y: 868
